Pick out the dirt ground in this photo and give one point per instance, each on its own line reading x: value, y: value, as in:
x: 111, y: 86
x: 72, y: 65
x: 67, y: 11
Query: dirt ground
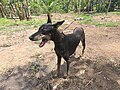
x: 25, y: 66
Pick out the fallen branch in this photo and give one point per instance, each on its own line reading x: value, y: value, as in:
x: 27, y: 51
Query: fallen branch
x: 92, y: 79
x: 88, y: 83
x: 68, y: 25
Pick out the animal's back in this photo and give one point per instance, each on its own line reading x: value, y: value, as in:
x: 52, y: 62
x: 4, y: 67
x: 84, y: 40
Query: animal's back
x: 78, y: 31
x: 74, y: 39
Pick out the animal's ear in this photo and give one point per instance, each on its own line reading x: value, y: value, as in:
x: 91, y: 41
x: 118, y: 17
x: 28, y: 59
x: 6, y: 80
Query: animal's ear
x: 56, y: 25
x: 49, y: 19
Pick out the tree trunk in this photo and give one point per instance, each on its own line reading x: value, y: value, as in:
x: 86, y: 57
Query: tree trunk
x: 2, y: 10
x: 108, y: 7
x: 67, y: 6
x: 118, y: 4
x: 88, y: 6
x: 12, y: 6
x: 75, y: 6
x: 28, y: 16
x: 19, y: 11
x: 82, y: 6
x: 11, y: 11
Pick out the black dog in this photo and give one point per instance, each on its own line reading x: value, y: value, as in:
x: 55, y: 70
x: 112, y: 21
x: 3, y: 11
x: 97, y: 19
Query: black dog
x: 65, y: 45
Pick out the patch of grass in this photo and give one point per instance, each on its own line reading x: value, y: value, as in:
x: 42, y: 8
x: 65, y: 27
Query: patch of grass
x: 88, y: 19
x: 16, y: 25
x: 4, y: 21
x: 117, y: 13
x: 106, y: 24
x: 2, y: 27
x: 34, y: 22
x: 10, y: 22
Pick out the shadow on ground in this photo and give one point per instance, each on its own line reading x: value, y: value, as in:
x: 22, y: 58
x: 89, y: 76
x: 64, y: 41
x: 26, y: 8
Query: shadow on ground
x: 85, y: 74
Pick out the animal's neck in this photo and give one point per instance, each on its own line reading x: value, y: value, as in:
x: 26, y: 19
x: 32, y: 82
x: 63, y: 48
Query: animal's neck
x: 57, y: 37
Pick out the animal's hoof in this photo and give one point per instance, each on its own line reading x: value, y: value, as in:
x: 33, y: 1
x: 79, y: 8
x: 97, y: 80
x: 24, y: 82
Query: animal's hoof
x: 66, y: 77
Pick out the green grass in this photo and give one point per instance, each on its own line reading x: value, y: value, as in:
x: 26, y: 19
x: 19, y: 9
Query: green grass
x: 88, y: 19
x: 106, y: 24
x: 116, y: 13
x: 10, y: 22
x: 16, y: 25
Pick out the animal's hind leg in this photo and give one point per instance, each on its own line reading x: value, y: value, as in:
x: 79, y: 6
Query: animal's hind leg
x: 78, y: 48
x: 68, y: 64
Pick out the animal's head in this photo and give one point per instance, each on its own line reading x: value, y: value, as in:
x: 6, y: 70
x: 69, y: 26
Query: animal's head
x: 45, y: 31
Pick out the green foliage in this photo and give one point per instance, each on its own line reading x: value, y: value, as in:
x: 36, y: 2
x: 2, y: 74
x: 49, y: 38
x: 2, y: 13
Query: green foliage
x: 4, y: 2
x: 38, y: 7
x: 48, y: 5
x: 35, y: 8
x: 45, y: 6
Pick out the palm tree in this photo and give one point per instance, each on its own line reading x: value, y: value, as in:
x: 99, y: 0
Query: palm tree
x: 27, y: 11
x: 2, y: 10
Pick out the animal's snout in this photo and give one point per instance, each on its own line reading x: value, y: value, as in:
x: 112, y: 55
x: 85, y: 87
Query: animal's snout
x: 31, y: 38
x: 35, y: 37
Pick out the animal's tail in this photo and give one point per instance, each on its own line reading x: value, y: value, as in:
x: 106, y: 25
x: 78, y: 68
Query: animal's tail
x: 83, y: 42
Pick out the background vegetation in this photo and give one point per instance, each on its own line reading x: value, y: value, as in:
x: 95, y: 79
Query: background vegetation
x: 24, y: 9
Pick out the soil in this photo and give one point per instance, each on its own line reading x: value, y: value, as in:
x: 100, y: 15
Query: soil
x: 25, y: 66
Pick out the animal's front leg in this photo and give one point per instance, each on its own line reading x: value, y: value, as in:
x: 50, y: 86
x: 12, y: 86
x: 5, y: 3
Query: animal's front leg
x: 58, y: 65
x: 68, y: 63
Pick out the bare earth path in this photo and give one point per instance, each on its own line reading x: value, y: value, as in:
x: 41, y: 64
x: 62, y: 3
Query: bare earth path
x: 25, y: 66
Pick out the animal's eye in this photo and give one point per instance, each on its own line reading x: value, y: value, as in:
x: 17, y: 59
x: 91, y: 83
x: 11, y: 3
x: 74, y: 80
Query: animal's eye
x: 42, y: 29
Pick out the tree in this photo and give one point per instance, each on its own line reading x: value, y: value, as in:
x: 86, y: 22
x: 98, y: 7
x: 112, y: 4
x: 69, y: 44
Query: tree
x: 27, y: 10
x: 23, y: 9
x: 2, y: 10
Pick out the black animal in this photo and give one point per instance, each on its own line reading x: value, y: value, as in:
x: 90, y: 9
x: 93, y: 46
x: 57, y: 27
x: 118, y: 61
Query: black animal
x: 65, y: 45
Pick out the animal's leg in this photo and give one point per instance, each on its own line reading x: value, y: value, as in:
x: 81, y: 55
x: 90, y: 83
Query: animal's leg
x: 68, y: 63
x: 79, y: 53
x: 58, y: 64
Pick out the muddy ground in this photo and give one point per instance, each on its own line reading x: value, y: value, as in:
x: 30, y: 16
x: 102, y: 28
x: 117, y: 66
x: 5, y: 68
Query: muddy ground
x: 25, y: 66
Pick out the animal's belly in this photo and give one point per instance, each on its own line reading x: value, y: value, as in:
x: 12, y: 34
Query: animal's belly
x: 72, y: 49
